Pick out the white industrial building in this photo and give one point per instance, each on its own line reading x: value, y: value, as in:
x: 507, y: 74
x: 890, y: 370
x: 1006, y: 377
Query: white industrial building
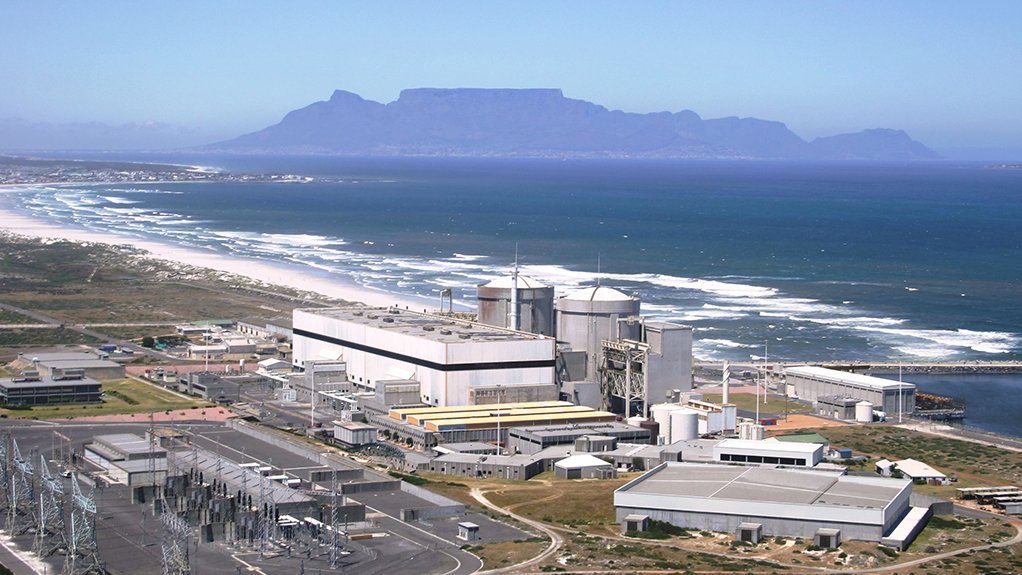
x: 768, y: 452
x: 529, y: 308
x: 812, y: 383
x: 456, y: 362
x: 780, y: 502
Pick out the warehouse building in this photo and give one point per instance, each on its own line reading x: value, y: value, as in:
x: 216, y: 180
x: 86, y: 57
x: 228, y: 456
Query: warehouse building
x: 429, y: 426
x: 30, y: 388
x: 128, y: 458
x: 768, y: 452
x: 68, y: 363
x: 812, y: 383
x: 533, y: 439
x: 584, y: 466
x: 456, y: 362
x: 783, y: 502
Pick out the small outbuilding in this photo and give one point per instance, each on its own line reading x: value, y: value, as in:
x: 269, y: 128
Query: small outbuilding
x: 635, y: 523
x: 468, y: 531
x: 584, y: 466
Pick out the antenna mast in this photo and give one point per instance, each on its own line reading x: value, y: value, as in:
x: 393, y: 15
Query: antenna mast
x: 515, y: 319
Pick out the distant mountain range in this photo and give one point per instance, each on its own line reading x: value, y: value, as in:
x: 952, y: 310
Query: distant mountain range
x: 543, y: 123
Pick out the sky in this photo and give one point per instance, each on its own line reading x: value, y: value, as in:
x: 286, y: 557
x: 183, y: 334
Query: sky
x: 947, y: 72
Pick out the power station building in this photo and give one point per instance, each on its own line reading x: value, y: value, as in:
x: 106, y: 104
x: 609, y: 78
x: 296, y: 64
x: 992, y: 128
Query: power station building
x: 455, y: 362
x: 814, y: 384
x: 534, y: 303
x: 773, y: 502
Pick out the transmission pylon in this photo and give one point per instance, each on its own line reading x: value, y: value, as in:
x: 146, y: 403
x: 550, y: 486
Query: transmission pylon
x: 175, y: 549
x: 5, y: 474
x: 82, y: 551
x: 21, y: 515
x: 50, y: 535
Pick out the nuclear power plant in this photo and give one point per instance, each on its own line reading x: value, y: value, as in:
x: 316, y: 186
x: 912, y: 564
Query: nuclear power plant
x: 590, y: 347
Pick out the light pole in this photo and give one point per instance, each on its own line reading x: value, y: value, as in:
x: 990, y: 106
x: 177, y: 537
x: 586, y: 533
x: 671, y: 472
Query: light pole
x: 899, y: 390
x: 498, y: 419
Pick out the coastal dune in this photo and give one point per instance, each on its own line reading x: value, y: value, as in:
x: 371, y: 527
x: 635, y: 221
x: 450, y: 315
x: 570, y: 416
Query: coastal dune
x: 281, y: 275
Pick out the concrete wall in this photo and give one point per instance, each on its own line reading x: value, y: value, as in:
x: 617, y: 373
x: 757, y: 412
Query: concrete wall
x: 772, y: 526
x: 670, y: 359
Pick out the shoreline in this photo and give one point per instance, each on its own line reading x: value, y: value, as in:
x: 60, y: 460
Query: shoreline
x: 14, y: 222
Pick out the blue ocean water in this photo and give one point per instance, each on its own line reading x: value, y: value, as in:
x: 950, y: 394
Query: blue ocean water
x: 992, y: 400
x: 817, y: 262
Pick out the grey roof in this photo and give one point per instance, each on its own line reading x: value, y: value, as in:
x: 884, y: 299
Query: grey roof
x: 126, y: 442
x: 427, y: 326
x: 577, y: 429
x: 79, y: 363
x: 9, y: 383
x: 764, y: 484
x: 856, y: 379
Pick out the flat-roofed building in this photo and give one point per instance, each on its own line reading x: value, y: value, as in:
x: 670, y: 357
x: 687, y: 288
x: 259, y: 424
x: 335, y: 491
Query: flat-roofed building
x: 786, y: 502
x: 62, y: 364
x: 429, y: 426
x: 533, y: 439
x: 768, y: 452
x: 812, y: 383
x: 456, y: 362
x: 38, y: 390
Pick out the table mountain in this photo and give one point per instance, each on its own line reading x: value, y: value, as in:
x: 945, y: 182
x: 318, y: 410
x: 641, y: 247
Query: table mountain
x: 543, y: 123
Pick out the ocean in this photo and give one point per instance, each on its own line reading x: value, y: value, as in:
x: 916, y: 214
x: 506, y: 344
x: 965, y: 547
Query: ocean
x: 814, y: 262
x: 805, y: 262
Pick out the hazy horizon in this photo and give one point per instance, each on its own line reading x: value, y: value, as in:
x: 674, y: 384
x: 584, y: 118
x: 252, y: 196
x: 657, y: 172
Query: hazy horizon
x: 137, y: 76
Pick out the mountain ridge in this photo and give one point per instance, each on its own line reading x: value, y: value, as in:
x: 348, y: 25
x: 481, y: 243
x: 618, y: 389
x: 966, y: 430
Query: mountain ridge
x: 542, y: 122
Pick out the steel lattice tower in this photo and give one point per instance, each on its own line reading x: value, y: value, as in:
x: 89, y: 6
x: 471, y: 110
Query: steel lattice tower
x: 5, y: 474
x: 175, y: 560
x: 21, y: 513
x: 82, y: 552
x: 50, y: 533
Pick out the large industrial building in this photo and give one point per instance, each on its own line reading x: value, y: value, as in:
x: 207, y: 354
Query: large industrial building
x: 813, y: 383
x: 778, y: 502
x: 529, y: 308
x: 604, y: 354
x: 30, y: 388
x: 456, y: 362
x: 631, y: 360
x: 429, y: 426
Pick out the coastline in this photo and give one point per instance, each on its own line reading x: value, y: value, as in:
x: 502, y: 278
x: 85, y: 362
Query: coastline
x: 15, y: 222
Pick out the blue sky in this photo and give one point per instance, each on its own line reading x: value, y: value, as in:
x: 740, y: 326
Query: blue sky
x: 947, y: 72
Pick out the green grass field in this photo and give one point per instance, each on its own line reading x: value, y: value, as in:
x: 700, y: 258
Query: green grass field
x: 123, y: 397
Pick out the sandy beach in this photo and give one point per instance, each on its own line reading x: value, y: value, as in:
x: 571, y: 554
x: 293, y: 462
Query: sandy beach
x: 269, y: 273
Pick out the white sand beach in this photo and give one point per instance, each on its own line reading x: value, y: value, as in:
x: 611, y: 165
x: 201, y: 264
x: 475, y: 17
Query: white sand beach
x: 262, y: 271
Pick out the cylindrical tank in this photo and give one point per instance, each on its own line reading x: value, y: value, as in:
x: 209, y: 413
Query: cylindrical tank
x: 590, y: 315
x: 635, y: 420
x: 661, y: 413
x: 751, y: 431
x: 864, y: 412
x: 684, y: 425
x: 535, y: 304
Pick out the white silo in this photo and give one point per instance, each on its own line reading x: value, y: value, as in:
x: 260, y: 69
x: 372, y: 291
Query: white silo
x: 590, y: 315
x: 864, y: 412
x: 684, y: 425
x: 661, y: 414
x: 635, y: 421
x: 751, y: 431
x: 495, y: 303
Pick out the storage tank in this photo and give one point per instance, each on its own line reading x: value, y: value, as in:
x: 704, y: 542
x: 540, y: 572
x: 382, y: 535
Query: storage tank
x: 590, y: 315
x: 635, y: 420
x: 864, y: 412
x: 751, y: 431
x: 661, y: 414
x: 535, y: 304
x: 684, y: 425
